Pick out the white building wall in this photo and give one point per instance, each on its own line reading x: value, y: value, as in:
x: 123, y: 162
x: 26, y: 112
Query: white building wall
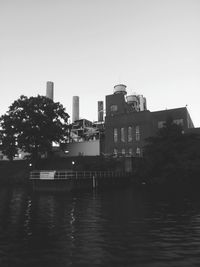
x: 86, y: 148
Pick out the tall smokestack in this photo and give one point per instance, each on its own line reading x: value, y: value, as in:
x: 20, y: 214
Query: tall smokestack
x: 49, y: 90
x: 100, y: 110
x: 75, y: 108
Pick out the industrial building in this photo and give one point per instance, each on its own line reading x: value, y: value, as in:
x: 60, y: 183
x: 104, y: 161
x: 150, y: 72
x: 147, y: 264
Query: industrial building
x: 85, y: 137
x: 128, y: 122
x: 122, y: 131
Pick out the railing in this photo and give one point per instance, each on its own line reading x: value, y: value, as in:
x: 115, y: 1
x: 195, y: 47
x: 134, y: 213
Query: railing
x: 60, y: 175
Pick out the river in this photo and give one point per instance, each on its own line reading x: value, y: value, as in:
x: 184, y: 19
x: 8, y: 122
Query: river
x: 115, y: 227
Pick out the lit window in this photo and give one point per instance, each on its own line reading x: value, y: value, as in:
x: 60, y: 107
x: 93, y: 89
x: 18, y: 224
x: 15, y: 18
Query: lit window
x: 130, y: 151
x: 113, y: 108
x: 161, y: 124
x: 122, y: 134
x: 137, y: 133
x: 130, y: 138
x: 115, y: 135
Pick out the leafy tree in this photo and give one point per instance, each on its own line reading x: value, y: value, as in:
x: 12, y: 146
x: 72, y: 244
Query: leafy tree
x: 172, y: 155
x: 32, y: 124
x: 8, y: 140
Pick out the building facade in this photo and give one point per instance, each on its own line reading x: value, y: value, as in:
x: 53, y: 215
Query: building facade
x: 128, y: 123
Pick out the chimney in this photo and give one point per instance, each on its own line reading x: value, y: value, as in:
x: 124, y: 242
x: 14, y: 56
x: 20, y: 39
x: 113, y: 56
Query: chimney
x: 100, y: 110
x: 75, y: 108
x: 49, y: 90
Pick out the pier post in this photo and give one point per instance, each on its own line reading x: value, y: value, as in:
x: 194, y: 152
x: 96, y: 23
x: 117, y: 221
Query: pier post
x: 94, y: 181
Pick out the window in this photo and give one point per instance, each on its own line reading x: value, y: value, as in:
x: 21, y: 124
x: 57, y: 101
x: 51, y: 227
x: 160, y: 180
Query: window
x: 115, y: 151
x: 123, y: 151
x: 115, y: 135
x: 130, y: 151
x: 130, y: 138
x: 161, y: 124
x: 137, y: 133
x: 122, y: 134
x: 113, y: 108
x: 138, y: 152
x: 178, y: 122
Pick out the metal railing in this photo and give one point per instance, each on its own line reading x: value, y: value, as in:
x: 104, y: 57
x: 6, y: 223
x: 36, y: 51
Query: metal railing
x: 60, y: 175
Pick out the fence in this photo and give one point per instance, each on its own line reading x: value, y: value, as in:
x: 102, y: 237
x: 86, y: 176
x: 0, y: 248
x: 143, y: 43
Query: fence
x: 64, y: 175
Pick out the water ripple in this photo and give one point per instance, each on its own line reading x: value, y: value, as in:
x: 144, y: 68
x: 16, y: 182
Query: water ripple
x: 114, y: 228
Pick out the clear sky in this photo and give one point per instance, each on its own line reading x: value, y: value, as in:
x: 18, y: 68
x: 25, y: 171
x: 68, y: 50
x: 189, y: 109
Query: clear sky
x: 87, y: 46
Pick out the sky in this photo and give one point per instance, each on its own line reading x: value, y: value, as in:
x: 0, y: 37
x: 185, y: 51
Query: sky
x: 86, y: 47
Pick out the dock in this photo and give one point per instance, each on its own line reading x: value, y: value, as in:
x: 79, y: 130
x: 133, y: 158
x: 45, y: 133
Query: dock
x: 52, y: 180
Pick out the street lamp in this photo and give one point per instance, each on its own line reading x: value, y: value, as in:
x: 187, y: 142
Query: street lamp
x: 73, y: 163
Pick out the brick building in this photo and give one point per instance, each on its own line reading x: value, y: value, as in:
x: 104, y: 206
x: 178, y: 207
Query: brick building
x: 128, y: 122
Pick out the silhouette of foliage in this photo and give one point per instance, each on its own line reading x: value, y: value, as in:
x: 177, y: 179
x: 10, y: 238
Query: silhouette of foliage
x: 172, y: 155
x: 32, y: 124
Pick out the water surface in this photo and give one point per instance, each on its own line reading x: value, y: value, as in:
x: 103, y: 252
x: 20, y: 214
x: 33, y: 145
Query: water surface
x: 118, y: 227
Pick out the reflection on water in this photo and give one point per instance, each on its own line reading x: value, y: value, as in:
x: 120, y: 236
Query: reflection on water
x: 122, y: 227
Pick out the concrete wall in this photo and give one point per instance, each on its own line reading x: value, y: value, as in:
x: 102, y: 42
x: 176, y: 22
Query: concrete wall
x: 87, y: 148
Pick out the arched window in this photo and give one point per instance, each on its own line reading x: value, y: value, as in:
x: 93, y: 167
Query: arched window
x: 122, y: 134
x: 130, y: 136
x: 137, y: 133
x: 115, y: 135
x: 130, y: 151
x: 123, y: 151
x: 115, y: 151
x: 138, y: 152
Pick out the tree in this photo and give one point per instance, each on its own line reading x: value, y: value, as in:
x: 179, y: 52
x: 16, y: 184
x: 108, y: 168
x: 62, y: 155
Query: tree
x: 8, y: 139
x: 32, y: 124
x: 172, y: 155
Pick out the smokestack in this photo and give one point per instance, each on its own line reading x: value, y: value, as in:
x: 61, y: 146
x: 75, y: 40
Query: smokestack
x: 49, y: 91
x: 100, y: 110
x: 75, y: 108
